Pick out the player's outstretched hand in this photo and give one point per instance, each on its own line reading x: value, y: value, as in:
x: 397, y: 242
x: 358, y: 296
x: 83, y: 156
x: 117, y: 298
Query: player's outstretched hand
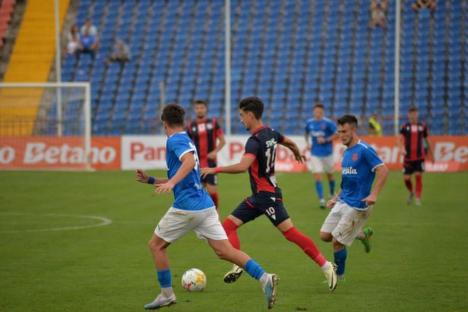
x: 163, y: 188
x: 207, y: 171
x: 370, y: 200
x: 141, y: 176
x: 331, y: 203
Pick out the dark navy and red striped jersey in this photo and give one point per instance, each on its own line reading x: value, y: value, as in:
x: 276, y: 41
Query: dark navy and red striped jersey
x: 204, y: 134
x: 262, y: 146
x: 414, y: 136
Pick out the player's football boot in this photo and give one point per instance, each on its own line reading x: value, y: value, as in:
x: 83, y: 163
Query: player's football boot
x: 323, y: 204
x: 269, y: 290
x: 330, y: 275
x: 418, y: 202
x: 410, y: 199
x: 233, y: 275
x: 368, y: 232
x: 161, y: 301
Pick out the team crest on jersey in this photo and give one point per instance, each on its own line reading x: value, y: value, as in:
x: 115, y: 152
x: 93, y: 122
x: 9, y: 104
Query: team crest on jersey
x: 323, y: 126
x: 355, y: 157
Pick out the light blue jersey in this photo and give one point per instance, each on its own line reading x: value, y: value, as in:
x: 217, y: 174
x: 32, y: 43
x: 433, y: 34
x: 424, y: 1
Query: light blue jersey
x: 321, y: 128
x: 358, y: 173
x: 189, y: 193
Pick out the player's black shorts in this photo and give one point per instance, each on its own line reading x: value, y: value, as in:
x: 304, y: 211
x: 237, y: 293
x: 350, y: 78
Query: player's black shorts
x: 269, y: 204
x: 210, y: 179
x: 412, y: 166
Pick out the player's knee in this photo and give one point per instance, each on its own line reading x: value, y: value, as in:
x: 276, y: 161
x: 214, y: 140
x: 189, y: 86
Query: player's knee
x: 326, y: 237
x: 337, y: 245
x: 154, y: 246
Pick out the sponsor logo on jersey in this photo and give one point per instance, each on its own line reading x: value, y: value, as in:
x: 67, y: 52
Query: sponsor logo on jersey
x: 349, y: 170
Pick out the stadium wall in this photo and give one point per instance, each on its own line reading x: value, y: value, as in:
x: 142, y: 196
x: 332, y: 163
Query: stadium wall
x: 148, y: 152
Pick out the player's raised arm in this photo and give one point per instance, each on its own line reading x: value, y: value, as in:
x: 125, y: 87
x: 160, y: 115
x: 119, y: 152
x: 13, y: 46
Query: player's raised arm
x: 242, y: 166
x: 293, y: 147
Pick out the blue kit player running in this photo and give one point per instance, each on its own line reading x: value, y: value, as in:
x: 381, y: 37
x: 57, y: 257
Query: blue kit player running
x: 192, y: 210
x: 322, y: 132
x: 352, y: 206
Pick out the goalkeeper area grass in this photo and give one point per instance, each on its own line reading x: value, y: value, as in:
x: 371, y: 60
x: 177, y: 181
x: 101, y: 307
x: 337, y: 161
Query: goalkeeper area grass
x: 77, y: 241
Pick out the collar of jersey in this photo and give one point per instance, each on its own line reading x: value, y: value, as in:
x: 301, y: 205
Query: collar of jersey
x: 181, y: 132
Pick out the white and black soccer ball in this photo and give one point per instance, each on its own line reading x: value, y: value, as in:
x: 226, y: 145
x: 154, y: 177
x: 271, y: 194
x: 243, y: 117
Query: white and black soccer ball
x: 194, y: 280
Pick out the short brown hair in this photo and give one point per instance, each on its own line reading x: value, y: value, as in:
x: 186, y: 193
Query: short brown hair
x: 201, y: 102
x: 348, y: 119
x: 173, y: 115
x: 412, y: 108
x: 318, y: 105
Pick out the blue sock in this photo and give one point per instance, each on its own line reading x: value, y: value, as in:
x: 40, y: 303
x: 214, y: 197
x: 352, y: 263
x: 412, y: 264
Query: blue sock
x: 332, y: 187
x: 164, y: 278
x: 319, y: 189
x: 254, y: 269
x: 340, y: 260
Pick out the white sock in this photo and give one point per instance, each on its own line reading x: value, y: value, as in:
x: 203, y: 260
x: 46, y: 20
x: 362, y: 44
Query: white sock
x: 264, y: 279
x: 167, y: 292
x: 326, y: 266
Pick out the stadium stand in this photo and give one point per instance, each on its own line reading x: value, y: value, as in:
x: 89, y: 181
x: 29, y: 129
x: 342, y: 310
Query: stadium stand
x: 290, y: 53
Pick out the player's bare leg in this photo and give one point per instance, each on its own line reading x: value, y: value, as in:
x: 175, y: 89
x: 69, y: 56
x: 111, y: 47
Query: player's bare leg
x: 304, y: 242
x: 269, y: 282
x: 167, y: 297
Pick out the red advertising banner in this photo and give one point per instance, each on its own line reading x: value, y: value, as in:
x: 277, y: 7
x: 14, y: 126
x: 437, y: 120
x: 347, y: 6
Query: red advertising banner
x: 58, y: 153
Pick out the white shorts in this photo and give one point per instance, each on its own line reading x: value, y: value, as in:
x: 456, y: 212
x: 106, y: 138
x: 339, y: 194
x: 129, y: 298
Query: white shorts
x: 345, y: 223
x: 321, y: 164
x: 177, y: 222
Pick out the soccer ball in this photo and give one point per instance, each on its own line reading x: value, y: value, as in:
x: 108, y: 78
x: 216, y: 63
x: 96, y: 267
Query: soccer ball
x: 194, y: 280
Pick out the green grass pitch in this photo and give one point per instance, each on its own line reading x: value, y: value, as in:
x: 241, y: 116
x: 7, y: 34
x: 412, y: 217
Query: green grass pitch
x: 418, y: 262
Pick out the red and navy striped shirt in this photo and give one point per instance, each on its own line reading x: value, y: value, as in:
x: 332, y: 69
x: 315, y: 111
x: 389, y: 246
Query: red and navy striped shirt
x: 414, y: 136
x: 262, y: 147
x: 204, y: 133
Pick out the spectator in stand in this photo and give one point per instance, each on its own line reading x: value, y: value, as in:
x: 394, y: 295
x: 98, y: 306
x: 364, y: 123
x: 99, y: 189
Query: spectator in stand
x: 89, y: 38
x: 74, y: 42
x: 120, y: 53
x: 374, y: 126
x: 424, y: 4
x: 378, y: 10
x: 89, y: 28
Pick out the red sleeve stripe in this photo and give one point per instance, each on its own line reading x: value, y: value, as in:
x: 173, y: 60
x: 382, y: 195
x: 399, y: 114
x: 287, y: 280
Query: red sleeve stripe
x: 250, y: 155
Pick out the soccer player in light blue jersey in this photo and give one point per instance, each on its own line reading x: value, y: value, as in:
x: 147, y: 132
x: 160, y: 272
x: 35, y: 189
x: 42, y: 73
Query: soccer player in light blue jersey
x: 351, y: 207
x: 321, y: 131
x: 193, y: 209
